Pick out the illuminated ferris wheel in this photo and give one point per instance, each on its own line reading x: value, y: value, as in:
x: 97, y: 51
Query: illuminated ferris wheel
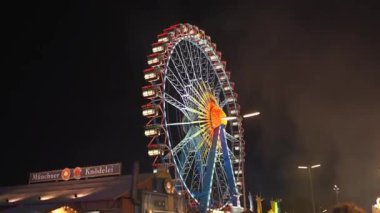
x: 194, y: 123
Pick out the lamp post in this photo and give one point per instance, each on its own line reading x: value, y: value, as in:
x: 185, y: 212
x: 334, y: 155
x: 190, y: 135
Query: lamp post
x: 336, y: 189
x: 248, y: 115
x: 309, y: 168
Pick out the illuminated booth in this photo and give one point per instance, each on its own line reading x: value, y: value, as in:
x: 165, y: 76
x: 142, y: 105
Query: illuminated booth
x: 376, y: 207
x: 95, y: 189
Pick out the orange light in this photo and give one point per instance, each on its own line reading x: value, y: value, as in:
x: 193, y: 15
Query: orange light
x: 64, y: 209
x: 215, y: 116
x: 12, y: 200
x: 65, y: 174
x: 46, y: 197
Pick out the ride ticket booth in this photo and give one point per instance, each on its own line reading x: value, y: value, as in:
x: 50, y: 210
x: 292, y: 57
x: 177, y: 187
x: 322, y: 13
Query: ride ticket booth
x: 93, y: 189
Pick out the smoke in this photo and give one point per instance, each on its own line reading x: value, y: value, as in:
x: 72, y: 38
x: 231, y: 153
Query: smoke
x: 312, y: 70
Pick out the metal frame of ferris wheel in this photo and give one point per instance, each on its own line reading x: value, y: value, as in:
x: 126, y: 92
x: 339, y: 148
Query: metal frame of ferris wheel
x: 168, y: 68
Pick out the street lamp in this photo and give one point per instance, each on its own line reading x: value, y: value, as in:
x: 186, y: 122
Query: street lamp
x: 311, y: 182
x: 236, y: 119
x: 336, y: 189
x: 251, y: 114
x: 248, y: 115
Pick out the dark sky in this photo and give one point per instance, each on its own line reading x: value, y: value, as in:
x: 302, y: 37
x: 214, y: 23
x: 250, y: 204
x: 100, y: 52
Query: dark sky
x: 74, y: 78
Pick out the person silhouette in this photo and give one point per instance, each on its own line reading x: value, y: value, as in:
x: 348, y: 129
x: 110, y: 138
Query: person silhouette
x: 347, y: 208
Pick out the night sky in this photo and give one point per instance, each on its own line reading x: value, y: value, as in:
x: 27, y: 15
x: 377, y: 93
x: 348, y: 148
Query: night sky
x: 75, y: 71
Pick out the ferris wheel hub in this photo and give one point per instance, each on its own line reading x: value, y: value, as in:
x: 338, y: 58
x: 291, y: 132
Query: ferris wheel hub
x: 215, y: 115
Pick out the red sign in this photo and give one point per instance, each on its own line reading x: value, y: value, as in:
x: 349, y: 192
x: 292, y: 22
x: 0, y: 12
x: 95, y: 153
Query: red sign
x: 77, y: 173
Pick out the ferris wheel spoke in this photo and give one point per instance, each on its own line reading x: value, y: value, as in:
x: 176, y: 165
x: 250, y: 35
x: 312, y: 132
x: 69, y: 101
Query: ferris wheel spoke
x: 184, y: 158
x: 189, y: 50
x: 186, y: 167
x: 173, y: 80
x: 196, y: 62
x: 181, y: 107
x: 200, y: 64
x: 210, y: 84
x: 207, y: 69
x: 196, y: 92
x: 217, y: 91
x: 181, y: 71
x: 192, y: 80
x: 208, y: 75
x: 197, y: 103
x: 197, y: 163
x: 197, y: 168
x: 195, y: 147
x: 184, y: 141
x: 186, y: 88
x: 186, y: 123
x: 198, y: 174
x: 182, y: 90
x: 180, y: 86
x: 184, y: 149
x: 180, y: 58
x: 192, y: 155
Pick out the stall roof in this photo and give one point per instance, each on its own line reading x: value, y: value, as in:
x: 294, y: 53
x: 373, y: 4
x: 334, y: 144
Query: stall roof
x: 50, y: 193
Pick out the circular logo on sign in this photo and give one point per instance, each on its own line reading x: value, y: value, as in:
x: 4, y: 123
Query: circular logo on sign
x: 65, y: 174
x: 77, y: 173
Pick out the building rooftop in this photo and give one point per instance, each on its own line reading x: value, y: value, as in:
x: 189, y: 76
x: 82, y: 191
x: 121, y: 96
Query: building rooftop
x: 49, y: 195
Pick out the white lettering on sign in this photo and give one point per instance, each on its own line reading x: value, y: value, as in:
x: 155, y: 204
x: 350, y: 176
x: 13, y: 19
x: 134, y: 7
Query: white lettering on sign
x: 99, y: 170
x: 44, y: 176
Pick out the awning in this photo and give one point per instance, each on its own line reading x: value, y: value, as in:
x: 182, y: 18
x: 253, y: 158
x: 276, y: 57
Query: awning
x: 32, y: 208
